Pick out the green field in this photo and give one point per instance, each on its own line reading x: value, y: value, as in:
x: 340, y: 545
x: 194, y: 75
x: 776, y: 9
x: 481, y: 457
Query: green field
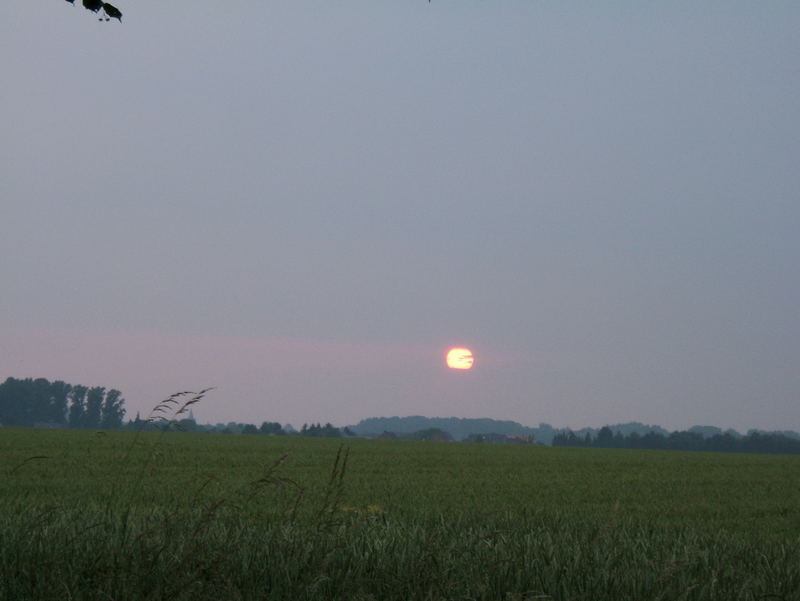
x: 86, y: 515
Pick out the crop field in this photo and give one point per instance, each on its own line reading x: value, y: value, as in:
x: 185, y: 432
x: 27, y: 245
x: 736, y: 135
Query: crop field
x: 125, y: 516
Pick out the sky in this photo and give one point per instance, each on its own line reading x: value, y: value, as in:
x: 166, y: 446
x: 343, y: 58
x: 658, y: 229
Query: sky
x: 305, y: 203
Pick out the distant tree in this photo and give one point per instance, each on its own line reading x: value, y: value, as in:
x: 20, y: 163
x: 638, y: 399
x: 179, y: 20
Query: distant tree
x: 495, y: 438
x: 25, y: 402
x: 633, y: 440
x: 112, y: 412
x: 186, y: 424
x: 59, y: 394
x: 693, y: 440
x: 249, y: 429
x: 77, y: 406
x: 432, y: 434
x: 686, y: 441
x: 271, y: 428
x: 330, y: 431
x: 568, y: 438
x: 20, y: 405
x: 459, y: 428
x: 312, y: 430
x: 705, y: 431
x: 777, y: 442
x: 38, y: 401
x: 94, y: 407
x: 10, y: 402
x: 722, y: 442
x: 31, y: 401
x: 605, y: 437
x: 653, y: 440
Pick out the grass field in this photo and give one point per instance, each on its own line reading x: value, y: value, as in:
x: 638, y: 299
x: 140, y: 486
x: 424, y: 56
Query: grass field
x: 86, y: 515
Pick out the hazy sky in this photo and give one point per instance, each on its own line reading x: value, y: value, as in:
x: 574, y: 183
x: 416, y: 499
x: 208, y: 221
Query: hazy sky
x: 305, y: 203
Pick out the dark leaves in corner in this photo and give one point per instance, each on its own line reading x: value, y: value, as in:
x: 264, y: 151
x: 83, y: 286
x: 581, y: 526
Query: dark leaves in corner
x: 109, y: 10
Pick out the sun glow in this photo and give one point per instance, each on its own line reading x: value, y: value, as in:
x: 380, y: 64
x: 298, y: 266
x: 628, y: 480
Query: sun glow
x: 460, y: 358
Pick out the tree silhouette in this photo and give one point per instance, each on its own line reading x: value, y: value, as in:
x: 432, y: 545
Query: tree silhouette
x: 30, y: 402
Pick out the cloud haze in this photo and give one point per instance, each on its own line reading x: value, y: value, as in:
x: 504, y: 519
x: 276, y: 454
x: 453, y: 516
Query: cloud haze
x: 305, y: 204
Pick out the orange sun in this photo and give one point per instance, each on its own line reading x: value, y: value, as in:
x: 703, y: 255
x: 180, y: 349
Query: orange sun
x: 460, y: 358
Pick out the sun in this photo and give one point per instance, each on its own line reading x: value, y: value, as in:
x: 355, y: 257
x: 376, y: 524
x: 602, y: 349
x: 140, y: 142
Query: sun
x: 460, y: 358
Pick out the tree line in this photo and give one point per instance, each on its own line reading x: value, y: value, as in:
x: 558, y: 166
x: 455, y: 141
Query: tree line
x: 39, y: 402
x: 275, y: 429
x: 727, y: 442
x: 30, y: 402
x: 458, y: 428
x: 189, y: 424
